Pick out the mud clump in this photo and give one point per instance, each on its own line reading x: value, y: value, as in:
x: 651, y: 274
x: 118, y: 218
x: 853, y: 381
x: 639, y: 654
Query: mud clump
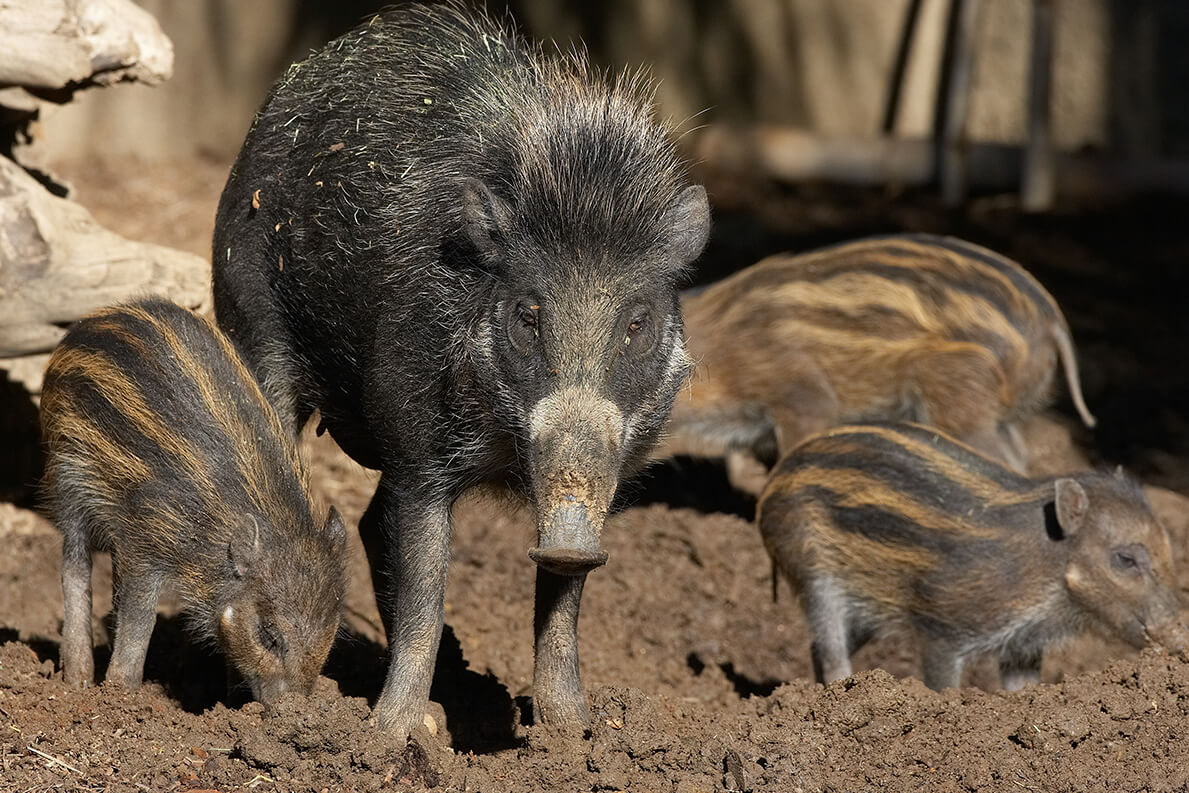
x: 326, y: 739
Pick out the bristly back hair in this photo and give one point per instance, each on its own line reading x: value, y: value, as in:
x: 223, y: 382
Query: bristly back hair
x: 577, y: 152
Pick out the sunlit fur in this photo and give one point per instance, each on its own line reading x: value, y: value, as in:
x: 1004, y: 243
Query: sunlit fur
x: 162, y: 449
x: 887, y: 528
x: 908, y: 327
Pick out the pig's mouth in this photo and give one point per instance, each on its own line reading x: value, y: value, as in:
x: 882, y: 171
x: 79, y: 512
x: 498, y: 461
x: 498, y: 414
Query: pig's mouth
x: 568, y: 543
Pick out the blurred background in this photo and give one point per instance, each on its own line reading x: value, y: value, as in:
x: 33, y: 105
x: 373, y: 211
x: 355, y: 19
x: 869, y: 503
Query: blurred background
x: 1053, y: 131
x: 829, y: 67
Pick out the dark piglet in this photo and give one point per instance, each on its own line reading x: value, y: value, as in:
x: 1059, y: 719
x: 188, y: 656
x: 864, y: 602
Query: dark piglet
x: 906, y: 327
x: 462, y: 250
x: 163, y: 450
x: 896, y: 527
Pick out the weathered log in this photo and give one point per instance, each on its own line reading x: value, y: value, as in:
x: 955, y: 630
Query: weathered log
x: 51, y: 45
x: 57, y: 265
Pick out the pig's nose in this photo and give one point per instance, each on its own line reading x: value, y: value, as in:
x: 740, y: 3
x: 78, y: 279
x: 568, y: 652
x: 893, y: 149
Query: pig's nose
x: 568, y: 543
x: 567, y: 561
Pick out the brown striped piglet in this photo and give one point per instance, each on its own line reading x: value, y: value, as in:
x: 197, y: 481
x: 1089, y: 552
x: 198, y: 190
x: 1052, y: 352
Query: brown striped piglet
x: 886, y: 528
x: 163, y: 450
x: 907, y: 327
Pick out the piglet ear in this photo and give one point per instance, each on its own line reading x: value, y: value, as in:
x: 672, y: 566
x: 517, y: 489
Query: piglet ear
x: 244, y: 548
x: 688, y: 222
x: 486, y: 218
x: 1072, y: 505
x: 334, y: 528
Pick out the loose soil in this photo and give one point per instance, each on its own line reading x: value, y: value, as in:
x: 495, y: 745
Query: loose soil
x: 696, y: 679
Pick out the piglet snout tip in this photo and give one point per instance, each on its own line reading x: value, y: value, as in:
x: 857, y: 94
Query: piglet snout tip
x: 1174, y: 639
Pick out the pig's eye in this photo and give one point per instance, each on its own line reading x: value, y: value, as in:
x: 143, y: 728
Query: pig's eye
x: 524, y: 327
x: 1131, y: 560
x: 637, y: 338
x: 271, y: 639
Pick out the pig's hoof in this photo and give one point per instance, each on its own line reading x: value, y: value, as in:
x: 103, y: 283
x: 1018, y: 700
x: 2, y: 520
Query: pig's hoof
x: 567, y: 561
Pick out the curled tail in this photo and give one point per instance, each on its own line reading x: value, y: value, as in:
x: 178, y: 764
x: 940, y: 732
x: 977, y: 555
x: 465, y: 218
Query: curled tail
x: 1069, y: 363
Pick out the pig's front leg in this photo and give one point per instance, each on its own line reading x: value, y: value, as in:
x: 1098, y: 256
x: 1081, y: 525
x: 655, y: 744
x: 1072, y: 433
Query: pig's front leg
x: 557, y: 688
x: 416, y: 533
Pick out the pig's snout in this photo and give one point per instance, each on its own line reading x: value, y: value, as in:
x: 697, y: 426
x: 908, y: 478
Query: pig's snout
x: 577, y: 438
x: 568, y: 543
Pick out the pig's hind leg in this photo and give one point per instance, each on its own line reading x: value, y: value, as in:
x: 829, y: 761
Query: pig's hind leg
x: 78, y: 662
x: 826, y: 610
x: 135, y: 599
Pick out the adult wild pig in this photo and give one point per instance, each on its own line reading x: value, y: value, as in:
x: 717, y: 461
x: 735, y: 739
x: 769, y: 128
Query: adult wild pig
x: 906, y: 327
x: 896, y: 527
x: 462, y: 251
x: 162, y: 449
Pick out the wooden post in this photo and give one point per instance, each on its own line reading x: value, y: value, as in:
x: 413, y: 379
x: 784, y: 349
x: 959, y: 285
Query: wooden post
x: 953, y: 100
x: 1038, y: 189
x: 900, y: 66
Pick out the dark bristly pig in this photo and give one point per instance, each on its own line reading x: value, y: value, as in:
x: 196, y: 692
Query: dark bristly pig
x: 895, y: 527
x: 462, y: 250
x: 162, y: 449
x: 907, y: 327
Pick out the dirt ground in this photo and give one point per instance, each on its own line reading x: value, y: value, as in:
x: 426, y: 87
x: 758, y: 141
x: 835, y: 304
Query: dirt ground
x: 696, y: 679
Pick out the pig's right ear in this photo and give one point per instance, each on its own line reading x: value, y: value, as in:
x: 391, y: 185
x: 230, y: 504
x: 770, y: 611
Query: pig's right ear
x: 244, y: 548
x: 335, y: 529
x: 1072, y: 505
x: 688, y: 220
x: 486, y: 218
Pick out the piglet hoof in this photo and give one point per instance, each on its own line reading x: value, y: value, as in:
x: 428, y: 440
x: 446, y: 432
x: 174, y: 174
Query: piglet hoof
x: 567, y: 561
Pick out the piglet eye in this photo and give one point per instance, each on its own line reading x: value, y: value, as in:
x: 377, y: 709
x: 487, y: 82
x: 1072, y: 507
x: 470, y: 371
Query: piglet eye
x: 1125, y: 562
x: 271, y: 639
x: 638, y: 324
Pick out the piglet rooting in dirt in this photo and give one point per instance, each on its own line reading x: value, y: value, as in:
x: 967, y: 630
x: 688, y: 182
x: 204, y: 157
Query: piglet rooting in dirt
x: 893, y: 527
x: 163, y: 450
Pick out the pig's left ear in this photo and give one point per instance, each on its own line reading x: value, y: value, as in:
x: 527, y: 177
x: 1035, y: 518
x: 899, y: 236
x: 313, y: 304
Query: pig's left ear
x: 688, y: 222
x: 486, y: 219
x: 1072, y: 505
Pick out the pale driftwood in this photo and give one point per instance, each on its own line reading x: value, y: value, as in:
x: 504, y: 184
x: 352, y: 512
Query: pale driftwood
x: 57, y: 265
x: 28, y: 370
x: 56, y: 44
x: 794, y: 155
